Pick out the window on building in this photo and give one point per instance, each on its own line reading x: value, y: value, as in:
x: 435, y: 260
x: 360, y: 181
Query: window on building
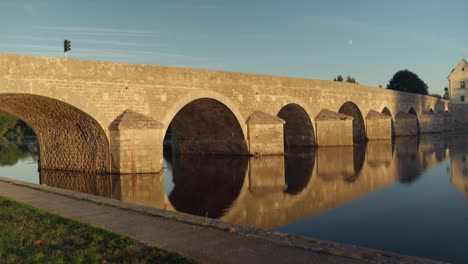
x: 462, y: 84
x: 463, y: 69
x: 462, y: 98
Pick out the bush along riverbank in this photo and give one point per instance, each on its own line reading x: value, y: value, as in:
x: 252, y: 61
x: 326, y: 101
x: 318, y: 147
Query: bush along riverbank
x: 30, y: 235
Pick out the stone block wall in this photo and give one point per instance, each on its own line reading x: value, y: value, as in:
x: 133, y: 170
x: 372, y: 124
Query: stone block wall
x: 334, y: 129
x: 378, y: 126
x: 265, y: 134
x: 431, y: 123
x: 406, y: 124
x: 136, y: 144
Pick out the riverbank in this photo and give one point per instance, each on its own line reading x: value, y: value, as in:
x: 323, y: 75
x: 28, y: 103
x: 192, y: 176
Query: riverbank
x: 204, y: 239
x: 31, y: 235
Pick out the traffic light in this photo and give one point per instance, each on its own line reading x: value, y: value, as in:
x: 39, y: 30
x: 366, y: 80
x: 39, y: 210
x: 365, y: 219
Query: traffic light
x: 66, y: 45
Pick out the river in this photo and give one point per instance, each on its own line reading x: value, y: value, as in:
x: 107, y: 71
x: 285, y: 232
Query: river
x: 408, y: 196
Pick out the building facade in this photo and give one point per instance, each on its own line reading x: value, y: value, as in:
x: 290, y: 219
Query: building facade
x: 458, y: 92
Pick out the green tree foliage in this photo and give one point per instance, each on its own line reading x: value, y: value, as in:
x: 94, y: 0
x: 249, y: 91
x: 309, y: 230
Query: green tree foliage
x: 7, y: 123
x: 12, y: 128
x: 407, y: 81
x: 436, y: 95
x: 349, y: 79
x: 338, y: 78
x: 446, y: 93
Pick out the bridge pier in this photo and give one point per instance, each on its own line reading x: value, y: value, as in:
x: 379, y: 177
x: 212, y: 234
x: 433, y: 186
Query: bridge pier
x: 378, y: 126
x: 334, y: 129
x: 431, y: 123
x: 448, y: 122
x: 265, y: 134
x: 406, y: 124
x: 136, y: 144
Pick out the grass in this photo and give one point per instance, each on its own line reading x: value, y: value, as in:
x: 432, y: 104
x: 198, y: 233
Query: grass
x: 30, y: 235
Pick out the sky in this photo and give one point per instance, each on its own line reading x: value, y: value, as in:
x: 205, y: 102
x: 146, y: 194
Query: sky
x: 367, y: 39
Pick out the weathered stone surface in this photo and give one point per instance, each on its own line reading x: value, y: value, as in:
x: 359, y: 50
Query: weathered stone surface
x: 378, y: 126
x: 265, y: 134
x: 263, y: 118
x: 136, y: 144
x: 133, y: 120
x: 449, y: 119
x: 327, y: 115
x: 406, y: 124
x: 334, y: 129
x: 430, y: 122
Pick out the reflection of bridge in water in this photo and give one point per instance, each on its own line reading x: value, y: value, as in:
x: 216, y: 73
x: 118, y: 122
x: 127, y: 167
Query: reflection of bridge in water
x: 270, y: 191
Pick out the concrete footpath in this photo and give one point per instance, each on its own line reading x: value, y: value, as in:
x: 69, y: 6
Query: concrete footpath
x: 204, y: 239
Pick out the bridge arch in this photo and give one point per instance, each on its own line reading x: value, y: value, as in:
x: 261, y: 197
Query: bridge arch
x: 387, y: 112
x: 204, y: 94
x: 298, y: 129
x: 413, y: 112
x: 359, y: 130
x: 69, y: 139
x: 206, y: 125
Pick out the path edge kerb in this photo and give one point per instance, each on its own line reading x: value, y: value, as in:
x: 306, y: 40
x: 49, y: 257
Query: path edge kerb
x: 278, y: 238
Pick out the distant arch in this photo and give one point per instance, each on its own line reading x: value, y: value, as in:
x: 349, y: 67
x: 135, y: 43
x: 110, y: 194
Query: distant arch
x: 298, y: 129
x: 69, y: 139
x: 387, y: 112
x: 413, y: 112
x: 431, y: 111
x: 359, y: 130
x: 206, y: 126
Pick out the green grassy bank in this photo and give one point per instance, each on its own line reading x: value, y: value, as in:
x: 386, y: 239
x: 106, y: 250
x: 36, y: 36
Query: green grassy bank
x: 30, y: 235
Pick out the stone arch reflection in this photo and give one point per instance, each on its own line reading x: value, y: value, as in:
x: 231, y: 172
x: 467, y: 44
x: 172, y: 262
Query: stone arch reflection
x: 359, y: 129
x: 299, y: 167
x: 207, y: 185
x: 298, y: 129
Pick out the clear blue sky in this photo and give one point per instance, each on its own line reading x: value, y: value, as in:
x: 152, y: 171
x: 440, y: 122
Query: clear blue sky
x: 367, y: 39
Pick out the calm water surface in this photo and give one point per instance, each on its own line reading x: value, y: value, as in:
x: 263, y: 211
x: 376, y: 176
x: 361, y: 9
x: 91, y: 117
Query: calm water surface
x: 407, y: 197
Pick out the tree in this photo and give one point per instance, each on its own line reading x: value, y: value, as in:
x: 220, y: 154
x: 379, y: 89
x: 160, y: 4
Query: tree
x: 338, y: 78
x: 446, y: 93
x: 349, y: 79
x: 436, y: 95
x: 407, y: 81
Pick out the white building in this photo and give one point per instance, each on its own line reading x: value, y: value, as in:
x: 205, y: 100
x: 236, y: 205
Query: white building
x: 458, y: 92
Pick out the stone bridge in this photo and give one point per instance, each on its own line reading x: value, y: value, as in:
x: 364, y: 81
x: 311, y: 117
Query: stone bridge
x: 113, y: 117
